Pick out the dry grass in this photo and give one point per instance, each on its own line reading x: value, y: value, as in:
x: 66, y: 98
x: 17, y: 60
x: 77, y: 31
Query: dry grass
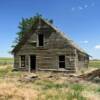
x: 10, y: 91
x: 58, y: 87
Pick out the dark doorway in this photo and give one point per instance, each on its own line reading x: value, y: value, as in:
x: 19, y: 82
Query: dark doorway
x: 41, y: 39
x: 32, y: 62
x: 61, y: 61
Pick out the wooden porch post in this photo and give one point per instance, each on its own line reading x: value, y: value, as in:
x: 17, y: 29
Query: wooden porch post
x: 29, y: 69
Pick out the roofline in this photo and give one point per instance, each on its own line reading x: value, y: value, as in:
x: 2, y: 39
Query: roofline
x: 71, y: 42
x: 66, y: 37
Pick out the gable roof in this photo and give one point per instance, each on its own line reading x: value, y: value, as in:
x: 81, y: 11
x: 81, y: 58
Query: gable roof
x: 71, y: 42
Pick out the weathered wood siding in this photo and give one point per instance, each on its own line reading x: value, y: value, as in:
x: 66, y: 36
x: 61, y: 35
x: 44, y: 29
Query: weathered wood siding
x: 83, y: 61
x: 47, y: 57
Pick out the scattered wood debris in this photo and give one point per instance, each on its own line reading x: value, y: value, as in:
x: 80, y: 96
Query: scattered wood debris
x: 29, y: 78
x: 91, y: 75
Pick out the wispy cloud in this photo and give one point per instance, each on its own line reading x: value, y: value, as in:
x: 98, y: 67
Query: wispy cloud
x: 85, y: 41
x: 97, y: 47
x: 73, y: 8
x: 85, y: 6
x: 80, y: 8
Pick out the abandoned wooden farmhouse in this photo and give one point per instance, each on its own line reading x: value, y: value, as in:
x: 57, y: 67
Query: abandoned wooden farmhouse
x: 46, y: 48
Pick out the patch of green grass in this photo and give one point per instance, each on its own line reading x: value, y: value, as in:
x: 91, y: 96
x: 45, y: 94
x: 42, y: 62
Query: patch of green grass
x: 77, y: 87
x: 6, y: 61
x: 5, y: 71
x: 55, y: 85
x: 75, y: 96
x: 61, y: 91
x: 94, y: 64
x: 98, y: 90
x: 76, y: 93
x: 8, y: 72
x: 49, y: 85
x: 56, y: 97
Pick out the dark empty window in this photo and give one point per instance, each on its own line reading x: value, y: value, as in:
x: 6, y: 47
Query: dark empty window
x: 61, y: 58
x: 23, y: 61
x: 62, y: 61
x: 80, y: 58
x: 41, y: 39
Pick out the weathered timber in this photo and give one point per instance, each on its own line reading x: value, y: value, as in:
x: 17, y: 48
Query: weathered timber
x: 46, y: 57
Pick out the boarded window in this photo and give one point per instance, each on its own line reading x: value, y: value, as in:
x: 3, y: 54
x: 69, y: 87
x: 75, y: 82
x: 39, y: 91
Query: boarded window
x: 41, y: 39
x: 23, y: 61
x: 61, y: 61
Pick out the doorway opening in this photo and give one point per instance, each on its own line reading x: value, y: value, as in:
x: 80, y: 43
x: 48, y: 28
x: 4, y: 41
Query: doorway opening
x: 61, y: 61
x: 32, y: 63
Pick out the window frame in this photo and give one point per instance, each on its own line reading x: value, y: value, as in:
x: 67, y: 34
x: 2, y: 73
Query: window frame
x: 22, y: 61
x: 39, y: 43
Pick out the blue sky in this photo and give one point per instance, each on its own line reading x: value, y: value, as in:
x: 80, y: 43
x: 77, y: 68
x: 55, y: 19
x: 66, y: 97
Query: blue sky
x: 79, y: 19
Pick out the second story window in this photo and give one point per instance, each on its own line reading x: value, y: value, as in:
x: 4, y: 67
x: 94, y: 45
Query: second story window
x: 40, y: 40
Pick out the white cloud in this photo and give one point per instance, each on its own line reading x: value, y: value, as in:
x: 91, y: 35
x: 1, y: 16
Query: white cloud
x: 97, y: 47
x: 85, y: 42
x: 80, y: 8
x: 85, y: 6
x: 73, y: 8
